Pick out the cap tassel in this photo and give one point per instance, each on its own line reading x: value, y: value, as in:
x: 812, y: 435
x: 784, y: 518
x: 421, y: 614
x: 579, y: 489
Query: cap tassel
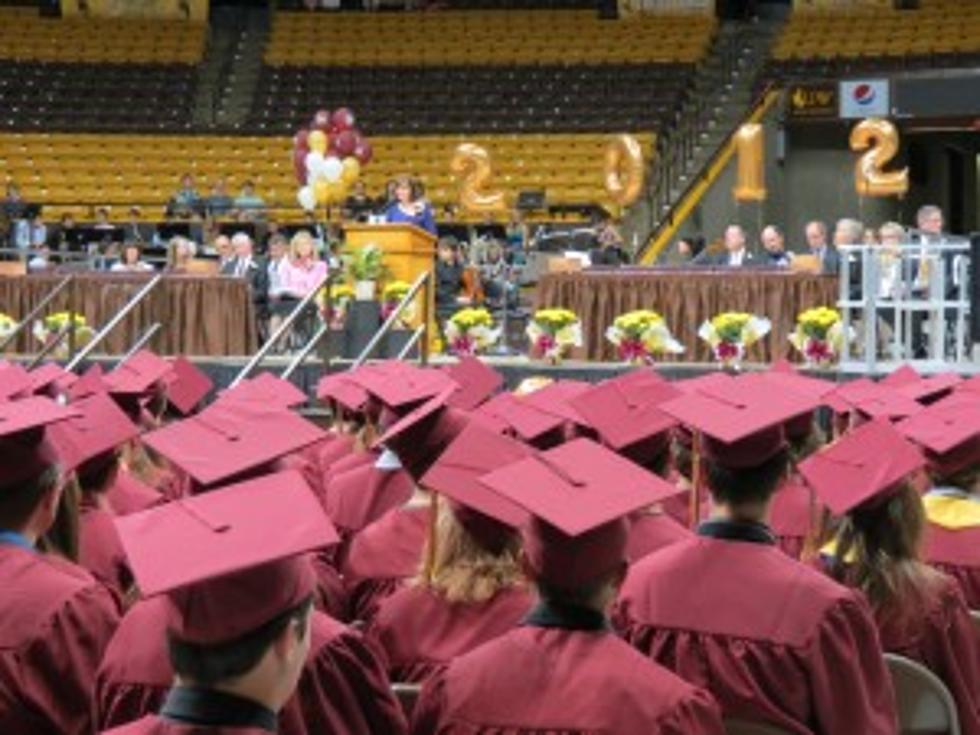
x: 695, y: 507
x: 429, y: 568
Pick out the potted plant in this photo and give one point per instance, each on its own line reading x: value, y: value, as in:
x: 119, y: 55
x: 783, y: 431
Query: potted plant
x: 366, y: 267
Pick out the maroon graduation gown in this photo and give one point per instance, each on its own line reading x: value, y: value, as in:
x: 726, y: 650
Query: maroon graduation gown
x: 195, y: 711
x: 790, y: 516
x: 773, y: 640
x: 420, y: 632
x: 382, y: 556
x: 559, y: 681
x: 343, y: 687
x: 650, y: 531
x: 357, y: 497
x: 957, y: 553
x: 99, y: 549
x: 941, y: 636
x: 128, y: 495
x: 154, y: 725
x: 55, y: 623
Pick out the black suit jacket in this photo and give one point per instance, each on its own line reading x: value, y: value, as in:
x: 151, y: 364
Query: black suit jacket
x: 257, y: 275
x: 720, y: 260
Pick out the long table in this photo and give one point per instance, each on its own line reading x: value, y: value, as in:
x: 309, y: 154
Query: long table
x: 686, y: 298
x: 204, y: 316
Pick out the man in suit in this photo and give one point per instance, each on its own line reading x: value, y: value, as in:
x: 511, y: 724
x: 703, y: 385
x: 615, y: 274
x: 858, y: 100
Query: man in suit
x: 774, y: 245
x: 816, y: 240
x: 736, y: 253
x: 246, y: 265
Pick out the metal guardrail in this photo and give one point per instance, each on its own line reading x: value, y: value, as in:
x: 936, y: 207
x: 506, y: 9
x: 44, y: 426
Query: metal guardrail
x: 50, y: 346
x: 36, y: 311
x: 423, y: 281
x: 144, y: 339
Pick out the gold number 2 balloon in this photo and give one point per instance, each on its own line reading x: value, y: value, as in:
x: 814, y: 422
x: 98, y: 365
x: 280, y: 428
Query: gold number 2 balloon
x: 472, y: 162
x: 880, y: 137
x: 623, y: 170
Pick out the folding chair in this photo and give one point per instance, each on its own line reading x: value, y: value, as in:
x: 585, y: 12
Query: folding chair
x: 743, y: 727
x: 925, y: 705
x: 407, y: 695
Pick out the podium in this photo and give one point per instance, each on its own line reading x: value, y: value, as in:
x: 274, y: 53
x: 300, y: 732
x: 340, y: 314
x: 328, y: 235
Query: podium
x: 408, y: 251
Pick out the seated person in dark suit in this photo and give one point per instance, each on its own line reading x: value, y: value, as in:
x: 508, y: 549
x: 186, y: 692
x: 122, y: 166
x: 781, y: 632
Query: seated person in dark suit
x: 253, y: 269
x: 735, y: 255
x: 609, y: 250
x: 827, y: 256
x: 449, y: 278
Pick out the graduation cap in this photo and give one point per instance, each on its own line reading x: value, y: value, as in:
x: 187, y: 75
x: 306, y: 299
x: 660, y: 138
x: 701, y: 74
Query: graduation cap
x: 867, y: 464
x: 797, y: 427
x: 229, y: 438
x: 506, y: 412
x: 743, y: 423
x: 139, y: 375
x: 400, y: 386
x: 25, y: 451
x: 873, y: 400
x: 708, y: 380
x: 555, y: 398
x: 488, y: 516
x: 932, y: 388
x: 948, y: 431
x: 15, y: 381
x: 223, y: 572
x: 265, y: 389
x: 903, y: 375
x: 189, y: 387
x: 477, y: 382
x: 358, y: 496
x: 342, y: 390
x: 579, y: 495
x: 93, y: 435
x: 89, y: 383
x: 51, y: 375
x: 423, y: 434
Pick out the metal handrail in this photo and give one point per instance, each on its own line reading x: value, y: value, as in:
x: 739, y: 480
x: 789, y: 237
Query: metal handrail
x: 141, y: 342
x: 274, y: 338
x: 41, y: 305
x: 294, y: 364
x: 50, y: 346
x: 412, y: 341
x: 120, y: 315
x: 422, y: 280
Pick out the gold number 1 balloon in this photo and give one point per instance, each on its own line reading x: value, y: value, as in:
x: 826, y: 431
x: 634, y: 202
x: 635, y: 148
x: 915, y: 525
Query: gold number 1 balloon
x: 750, y: 185
x: 623, y: 170
x: 881, y: 139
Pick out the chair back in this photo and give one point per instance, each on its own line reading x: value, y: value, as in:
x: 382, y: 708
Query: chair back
x: 407, y: 695
x: 744, y: 727
x: 925, y: 705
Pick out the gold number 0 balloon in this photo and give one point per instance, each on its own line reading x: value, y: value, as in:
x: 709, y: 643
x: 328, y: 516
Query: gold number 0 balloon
x: 623, y: 170
x: 473, y: 163
x: 881, y: 138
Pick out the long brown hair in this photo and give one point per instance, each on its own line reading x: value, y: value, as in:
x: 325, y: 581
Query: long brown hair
x: 879, y: 552
x: 62, y: 537
x: 463, y: 570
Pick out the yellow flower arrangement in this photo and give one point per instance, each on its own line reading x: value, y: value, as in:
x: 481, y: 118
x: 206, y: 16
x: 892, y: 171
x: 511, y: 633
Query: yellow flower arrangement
x: 341, y: 292
x: 7, y: 325
x: 473, y: 317
x: 50, y: 326
x: 640, y: 334
x: 471, y: 330
x: 730, y: 332
x: 395, y: 291
x: 552, y: 332
x: 819, y: 335
x: 555, y: 319
x: 817, y: 322
x: 60, y: 319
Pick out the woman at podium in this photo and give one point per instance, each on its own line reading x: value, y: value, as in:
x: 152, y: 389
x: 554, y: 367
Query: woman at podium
x: 410, y: 206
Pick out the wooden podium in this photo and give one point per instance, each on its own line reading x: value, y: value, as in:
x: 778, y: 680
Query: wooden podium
x: 408, y: 252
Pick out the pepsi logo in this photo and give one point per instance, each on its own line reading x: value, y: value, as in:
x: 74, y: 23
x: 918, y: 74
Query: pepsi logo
x: 864, y: 94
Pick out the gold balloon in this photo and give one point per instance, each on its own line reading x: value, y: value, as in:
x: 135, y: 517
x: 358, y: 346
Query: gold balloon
x: 352, y: 171
x: 472, y: 162
x: 880, y: 137
x: 750, y: 185
x: 623, y: 170
x: 321, y: 189
x: 336, y: 191
x: 317, y: 141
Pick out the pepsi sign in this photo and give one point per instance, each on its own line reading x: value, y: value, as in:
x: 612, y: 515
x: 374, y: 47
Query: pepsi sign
x: 860, y: 98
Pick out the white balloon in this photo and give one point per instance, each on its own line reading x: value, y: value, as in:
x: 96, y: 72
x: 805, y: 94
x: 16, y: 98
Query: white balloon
x: 332, y: 169
x: 306, y: 198
x: 314, y: 163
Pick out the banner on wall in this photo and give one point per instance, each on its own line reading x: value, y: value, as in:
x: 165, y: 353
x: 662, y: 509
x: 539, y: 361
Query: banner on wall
x: 861, y: 98
x: 810, y: 101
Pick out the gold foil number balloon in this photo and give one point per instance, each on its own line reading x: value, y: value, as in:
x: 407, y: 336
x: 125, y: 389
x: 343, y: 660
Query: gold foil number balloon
x: 750, y: 185
x: 880, y: 137
x: 472, y: 162
x: 623, y: 170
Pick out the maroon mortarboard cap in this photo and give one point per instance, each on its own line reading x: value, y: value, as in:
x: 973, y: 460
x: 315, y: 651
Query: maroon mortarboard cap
x: 527, y: 422
x: 25, y: 450
x: 488, y: 516
x: 265, y: 389
x: 232, y: 437
x: 138, y: 375
x: 228, y: 561
x: 800, y: 426
x: 15, y: 382
x: 880, y: 401
x: 360, y: 495
x: 189, y: 387
x: 904, y: 375
x: 51, y: 375
x: 578, y: 495
x: 949, y: 432
x: 555, y: 398
x: 927, y: 390
x: 100, y: 428
x: 742, y: 422
x: 702, y: 382
x: 784, y: 367
x: 970, y: 385
x: 477, y: 382
x: 89, y: 383
x: 422, y: 435
x: 625, y: 413
x: 401, y: 386
x: 866, y: 464
x: 342, y: 390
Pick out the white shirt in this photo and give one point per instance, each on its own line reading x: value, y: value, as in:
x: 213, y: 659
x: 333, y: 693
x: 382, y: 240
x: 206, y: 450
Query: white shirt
x: 735, y: 257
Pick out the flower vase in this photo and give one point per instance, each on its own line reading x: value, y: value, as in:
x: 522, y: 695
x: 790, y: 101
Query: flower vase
x: 365, y: 290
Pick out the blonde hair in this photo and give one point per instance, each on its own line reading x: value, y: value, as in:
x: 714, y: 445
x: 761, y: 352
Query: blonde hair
x: 299, y: 237
x: 463, y: 571
x: 891, y: 229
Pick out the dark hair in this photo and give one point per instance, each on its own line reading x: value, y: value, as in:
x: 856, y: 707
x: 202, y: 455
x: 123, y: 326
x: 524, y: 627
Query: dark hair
x: 749, y: 484
x: 62, y: 537
x: 95, y: 474
x: 131, y: 245
x: 279, y: 239
x: 209, y: 665
x: 19, y: 502
x: 695, y: 243
x: 449, y: 242
x: 582, y: 596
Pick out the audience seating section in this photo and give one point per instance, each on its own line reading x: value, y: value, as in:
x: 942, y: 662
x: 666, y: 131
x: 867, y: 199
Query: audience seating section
x: 64, y: 172
x: 485, y: 38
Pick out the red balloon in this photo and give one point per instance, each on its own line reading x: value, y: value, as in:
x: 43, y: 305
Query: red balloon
x: 300, y: 139
x: 299, y: 163
x: 363, y: 151
x: 345, y: 143
x: 342, y: 119
x: 321, y: 120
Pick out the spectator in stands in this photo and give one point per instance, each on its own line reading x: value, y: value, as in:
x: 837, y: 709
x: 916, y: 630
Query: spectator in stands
x: 610, y: 250
x: 689, y: 249
x: 186, y: 201
x: 58, y: 233
x: 358, y: 205
x: 305, y: 269
x: 131, y: 260
x: 516, y: 238
x: 495, y: 273
x: 774, y: 245
x: 13, y: 203
x: 246, y: 265
x: 249, y: 205
x: 736, y: 254
x: 891, y: 236
x: 828, y: 259
x: 31, y: 232
x: 278, y: 261
x: 848, y: 232
x: 225, y: 252
x: 929, y: 220
x: 180, y: 253
x: 449, y: 278
x: 870, y: 236
x: 219, y: 202
x: 410, y: 206
x: 135, y: 230
x: 102, y: 220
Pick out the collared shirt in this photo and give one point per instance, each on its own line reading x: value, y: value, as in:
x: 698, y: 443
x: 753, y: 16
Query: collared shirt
x: 749, y: 531
x: 566, y: 617
x: 208, y: 707
x: 736, y: 257
x: 12, y: 538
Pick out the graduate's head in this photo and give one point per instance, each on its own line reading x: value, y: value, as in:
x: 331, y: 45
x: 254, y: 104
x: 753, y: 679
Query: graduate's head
x: 948, y: 432
x: 237, y: 596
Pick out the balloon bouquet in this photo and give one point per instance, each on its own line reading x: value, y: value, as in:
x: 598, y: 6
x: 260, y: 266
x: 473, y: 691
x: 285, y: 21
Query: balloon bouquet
x: 327, y: 158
